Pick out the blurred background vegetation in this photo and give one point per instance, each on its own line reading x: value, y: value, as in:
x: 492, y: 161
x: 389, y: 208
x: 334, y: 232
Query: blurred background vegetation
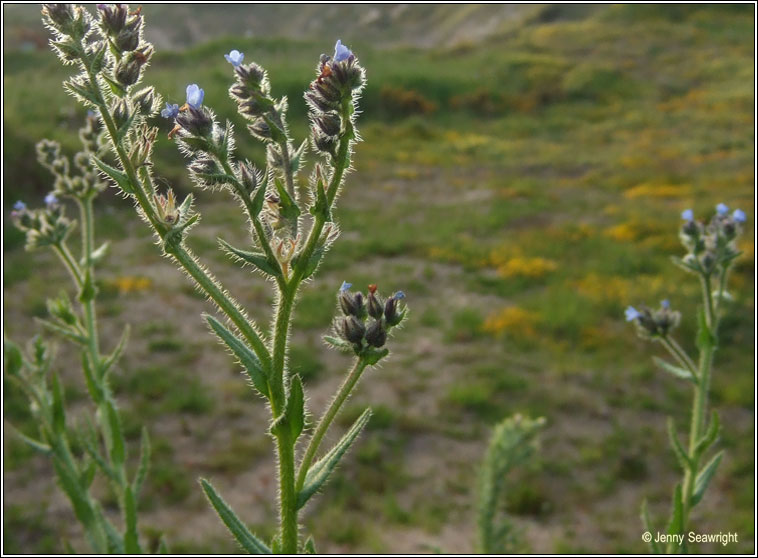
x: 521, y: 179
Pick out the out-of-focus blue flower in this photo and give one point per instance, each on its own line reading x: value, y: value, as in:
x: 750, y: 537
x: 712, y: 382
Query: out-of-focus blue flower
x: 722, y: 209
x: 195, y: 96
x: 341, y: 52
x: 19, y: 206
x: 688, y: 215
x: 170, y: 111
x: 631, y: 314
x: 345, y: 286
x: 50, y: 199
x: 234, y: 57
x: 665, y: 304
x: 399, y: 295
x: 739, y: 216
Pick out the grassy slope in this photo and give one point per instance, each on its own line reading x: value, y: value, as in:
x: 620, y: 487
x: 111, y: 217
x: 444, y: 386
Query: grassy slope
x: 522, y: 192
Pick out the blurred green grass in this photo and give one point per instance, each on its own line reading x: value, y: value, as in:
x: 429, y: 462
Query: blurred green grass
x: 522, y: 191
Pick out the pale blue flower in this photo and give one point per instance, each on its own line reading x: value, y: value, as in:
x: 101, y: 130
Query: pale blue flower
x: 50, y: 199
x: 341, y: 52
x: 195, y: 96
x: 631, y: 314
x: 665, y: 304
x: 739, y: 216
x: 19, y: 206
x: 234, y: 58
x: 688, y: 215
x: 722, y: 209
x: 345, y: 286
x: 399, y: 295
x: 170, y: 111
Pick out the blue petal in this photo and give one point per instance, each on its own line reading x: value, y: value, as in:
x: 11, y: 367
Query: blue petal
x: 739, y: 216
x: 341, y: 52
x: 688, y: 215
x: 631, y: 314
x: 345, y: 286
x: 722, y: 209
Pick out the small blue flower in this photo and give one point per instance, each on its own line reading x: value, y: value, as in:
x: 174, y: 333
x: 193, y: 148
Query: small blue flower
x: 195, y: 96
x: 722, y: 209
x: 631, y: 314
x: 234, y: 58
x: 50, y: 199
x: 688, y: 215
x: 345, y: 286
x: 170, y: 111
x: 739, y: 216
x: 341, y: 52
x: 665, y: 304
x: 399, y: 295
x: 19, y: 206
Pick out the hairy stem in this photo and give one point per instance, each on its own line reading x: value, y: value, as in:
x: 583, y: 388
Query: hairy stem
x: 326, y: 420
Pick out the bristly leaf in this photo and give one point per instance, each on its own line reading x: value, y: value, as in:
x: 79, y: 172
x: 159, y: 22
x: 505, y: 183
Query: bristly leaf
x: 710, y: 435
x: 241, y: 533
x: 119, y: 177
x: 66, y: 332
x: 287, y: 206
x: 115, y: 86
x: 309, y: 547
x: 82, y: 91
x: 117, y: 445
x: 675, y: 370
x: 100, y: 253
x: 59, y: 412
x: 144, y: 462
x: 704, y: 477
x: 131, y: 538
x: 339, y: 344
x: 647, y: 524
x: 320, y: 471
x: 260, y: 261
x: 245, y: 356
x: 14, y: 360
x: 681, y: 455
x: 705, y: 338
x: 677, y: 516
x: 31, y: 442
x: 371, y: 356
x: 113, y: 358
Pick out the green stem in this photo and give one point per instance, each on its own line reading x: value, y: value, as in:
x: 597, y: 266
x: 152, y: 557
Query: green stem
x: 69, y: 262
x: 326, y: 420
x: 680, y: 355
x: 288, y: 503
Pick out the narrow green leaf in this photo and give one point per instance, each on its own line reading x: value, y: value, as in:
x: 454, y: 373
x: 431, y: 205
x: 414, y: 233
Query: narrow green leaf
x: 339, y: 344
x: 257, y: 202
x: 241, y: 533
x: 88, y: 475
x: 117, y: 447
x: 681, y: 455
x: 31, y: 442
x: 119, y: 177
x: 144, y: 462
x: 647, y: 524
x: 675, y: 526
x: 115, y: 86
x: 88, y: 290
x: 95, y: 391
x: 704, y: 477
x: 98, y: 61
x: 287, y: 206
x: 81, y: 91
x: 89, y: 443
x: 710, y: 435
x: 296, y: 408
x: 309, y: 547
x: 69, y: 483
x: 66, y: 332
x: 320, y: 471
x: 704, y: 336
x: 259, y: 261
x: 115, y: 541
x: 245, y: 356
x: 297, y: 157
x: 114, y: 357
x: 675, y: 370
x: 14, y: 360
x: 59, y: 410
x: 131, y: 537
x: 276, y: 545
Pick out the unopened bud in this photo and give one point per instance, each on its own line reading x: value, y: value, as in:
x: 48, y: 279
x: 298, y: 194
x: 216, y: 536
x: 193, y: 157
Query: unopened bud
x: 352, y: 329
x: 375, y: 309
x: 195, y: 121
x: 376, y: 335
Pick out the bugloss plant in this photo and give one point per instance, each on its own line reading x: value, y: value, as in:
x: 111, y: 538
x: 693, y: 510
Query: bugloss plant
x: 711, y: 251
x: 99, y: 442
x: 290, y: 230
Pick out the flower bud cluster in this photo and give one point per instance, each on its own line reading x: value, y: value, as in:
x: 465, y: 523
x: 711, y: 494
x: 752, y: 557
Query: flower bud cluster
x: 654, y: 324
x: 80, y: 185
x: 711, y: 247
x: 367, y: 319
x: 46, y: 226
x: 340, y: 79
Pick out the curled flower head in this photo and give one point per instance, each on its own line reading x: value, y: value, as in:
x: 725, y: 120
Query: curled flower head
x: 341, y: 52
x: 344, y: 287
x: 688, y: 215
x: 739, y: 216
x: 722, y: 209
x: 170, y: 111
x: 51, y: 200
x: 234, y: 58
x: 631, y: 313
x: 195, y: 96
